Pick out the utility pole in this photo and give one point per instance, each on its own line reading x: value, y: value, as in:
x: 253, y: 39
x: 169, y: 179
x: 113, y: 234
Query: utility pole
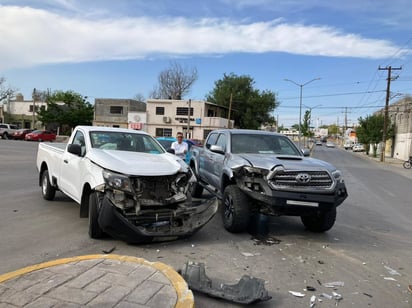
x: 34, y: 108
x: 385, y: 119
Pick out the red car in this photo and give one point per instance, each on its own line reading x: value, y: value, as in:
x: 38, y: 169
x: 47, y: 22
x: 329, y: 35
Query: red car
x: 40, y: 135
x: 21, y: 133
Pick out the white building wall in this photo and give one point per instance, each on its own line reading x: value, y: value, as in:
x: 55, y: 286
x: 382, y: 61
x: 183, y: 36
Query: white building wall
x: 403, y: 146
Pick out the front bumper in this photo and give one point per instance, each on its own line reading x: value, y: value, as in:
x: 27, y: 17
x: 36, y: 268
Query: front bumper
x: 293, y: 203
x: 157, y: 224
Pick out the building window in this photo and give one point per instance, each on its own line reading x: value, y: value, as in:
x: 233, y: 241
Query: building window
x: 116, y: 109
x: 160, y: 110
x: 183, y: 111
x: 163, y: 132
x: 31, y: 108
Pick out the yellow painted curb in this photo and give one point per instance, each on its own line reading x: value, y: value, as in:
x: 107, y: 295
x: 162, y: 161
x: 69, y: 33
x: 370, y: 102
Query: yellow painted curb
x: 184, y: 295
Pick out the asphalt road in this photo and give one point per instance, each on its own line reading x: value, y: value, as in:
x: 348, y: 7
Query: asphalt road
x: 368, y: 250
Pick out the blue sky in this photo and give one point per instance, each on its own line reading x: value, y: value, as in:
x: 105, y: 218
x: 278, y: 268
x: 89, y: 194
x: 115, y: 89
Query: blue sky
x: 116, y: 49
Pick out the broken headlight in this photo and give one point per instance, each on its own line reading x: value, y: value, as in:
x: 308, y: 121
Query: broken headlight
x: 117, y: 181
x: 337, y: 175
x: 255, y: 172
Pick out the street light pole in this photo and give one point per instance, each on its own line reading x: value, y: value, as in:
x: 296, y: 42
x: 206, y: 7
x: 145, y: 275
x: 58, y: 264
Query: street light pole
x: 300, y: 102
x: 34, y: 108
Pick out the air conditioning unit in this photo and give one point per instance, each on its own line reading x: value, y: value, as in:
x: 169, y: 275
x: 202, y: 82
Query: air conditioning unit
x: 167, y: 119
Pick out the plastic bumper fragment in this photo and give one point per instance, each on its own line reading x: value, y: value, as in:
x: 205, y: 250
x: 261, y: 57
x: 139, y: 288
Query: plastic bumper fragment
x: 248, y: 290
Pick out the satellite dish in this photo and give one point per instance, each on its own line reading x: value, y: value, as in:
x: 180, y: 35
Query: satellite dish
x: 136, y: 118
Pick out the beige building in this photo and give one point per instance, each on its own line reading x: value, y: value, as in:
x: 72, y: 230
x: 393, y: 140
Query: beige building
x: 125, y: 113
x: 166, y: 117
x: 162, y: 117
x: 22, y: 112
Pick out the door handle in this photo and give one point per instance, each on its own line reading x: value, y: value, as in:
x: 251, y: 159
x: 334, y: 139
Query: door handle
x: 66, y: 161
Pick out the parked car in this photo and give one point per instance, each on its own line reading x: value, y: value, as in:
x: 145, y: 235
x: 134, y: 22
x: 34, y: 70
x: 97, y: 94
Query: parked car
x: 330, y: 144
x: 358, y: 147
x: 21, y: 133
x: 7, y: 129
x: 40, y: 135
x: 348, y: 145
x: 166, y: 142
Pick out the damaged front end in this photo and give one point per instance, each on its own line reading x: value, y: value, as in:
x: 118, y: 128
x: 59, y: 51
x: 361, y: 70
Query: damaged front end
x: 148, y: 208
x: 276, y: 187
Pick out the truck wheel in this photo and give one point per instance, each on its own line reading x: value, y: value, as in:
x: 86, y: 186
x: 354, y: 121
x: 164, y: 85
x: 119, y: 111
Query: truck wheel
x: 320, y: 222
x: 94, y: 205
x: 5, y: 136
x: 47, y: 190
x: 236, y: 212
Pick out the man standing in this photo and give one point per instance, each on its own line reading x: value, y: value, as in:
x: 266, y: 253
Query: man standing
x: 179, y: 146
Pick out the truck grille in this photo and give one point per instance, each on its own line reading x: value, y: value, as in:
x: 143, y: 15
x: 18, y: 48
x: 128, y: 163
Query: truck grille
x: 295, y: 180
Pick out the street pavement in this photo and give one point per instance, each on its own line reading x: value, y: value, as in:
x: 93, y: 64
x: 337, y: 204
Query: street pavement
x: 105, y: 280
x: 95, y: 281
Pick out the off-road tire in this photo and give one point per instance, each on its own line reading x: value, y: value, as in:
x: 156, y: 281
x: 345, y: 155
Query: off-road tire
x: 320, y: 222
x: 407, y: 165
x: 95, y: 200
x: 236, y: 210
x: 47, y: 190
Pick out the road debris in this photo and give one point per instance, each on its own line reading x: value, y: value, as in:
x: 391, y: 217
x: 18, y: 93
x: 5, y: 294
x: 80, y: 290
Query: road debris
x: 389, y: 278
x: 247, y: 254
x: 334, y: 284
x: 337, y: 296
x: 109, y: 250
x: 410, y: 287
x: 297, y: 294
x: 368, y: 295
x: 391, y: 271
x: 248, y: 290
x: 265, y: 240
x: 326, y: 295
x: 312, y: 301
x: 310, y: 288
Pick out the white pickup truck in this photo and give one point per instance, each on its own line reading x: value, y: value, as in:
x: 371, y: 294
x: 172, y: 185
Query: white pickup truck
x: 125, y: 183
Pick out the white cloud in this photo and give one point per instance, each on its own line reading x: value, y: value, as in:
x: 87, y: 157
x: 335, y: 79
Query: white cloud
x: 32, y: 37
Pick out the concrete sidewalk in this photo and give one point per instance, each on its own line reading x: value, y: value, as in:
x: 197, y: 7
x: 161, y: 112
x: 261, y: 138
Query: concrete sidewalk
x: 95, y: 281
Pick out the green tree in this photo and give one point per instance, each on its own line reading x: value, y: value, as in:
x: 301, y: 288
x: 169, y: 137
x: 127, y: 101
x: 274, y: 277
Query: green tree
x: 66, y: 110
x: 250, y: 107
x: 304, y: 127
x: 370, y: 130
x: 333, y: 129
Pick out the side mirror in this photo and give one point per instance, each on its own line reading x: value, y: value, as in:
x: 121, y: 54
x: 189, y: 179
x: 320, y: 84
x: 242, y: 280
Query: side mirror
x: 75, y: 149
x: 305, y: 152
x: 217, y: 149
x: 170, y: 150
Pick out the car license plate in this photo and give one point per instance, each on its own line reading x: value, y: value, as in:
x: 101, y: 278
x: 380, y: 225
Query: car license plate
x: 305, y: 203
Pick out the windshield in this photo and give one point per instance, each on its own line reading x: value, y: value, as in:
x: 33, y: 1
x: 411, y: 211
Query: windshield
x: 263, y: 144
x: 122, y: 141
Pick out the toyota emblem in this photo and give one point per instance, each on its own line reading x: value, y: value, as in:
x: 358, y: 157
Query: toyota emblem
x: 303, y: 178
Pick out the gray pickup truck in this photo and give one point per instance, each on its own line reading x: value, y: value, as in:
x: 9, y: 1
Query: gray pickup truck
x: 254, y: 172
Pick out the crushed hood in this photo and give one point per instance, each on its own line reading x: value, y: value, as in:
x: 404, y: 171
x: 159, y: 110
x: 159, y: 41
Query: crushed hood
x: 137, y: 163
x: 290, y: 162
